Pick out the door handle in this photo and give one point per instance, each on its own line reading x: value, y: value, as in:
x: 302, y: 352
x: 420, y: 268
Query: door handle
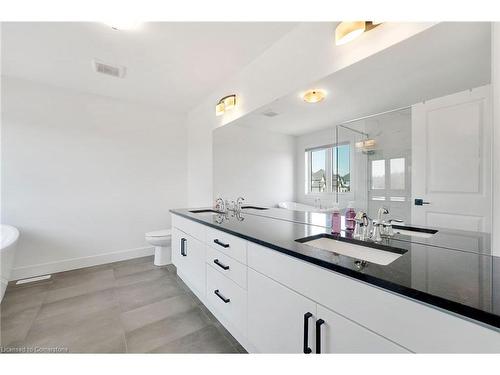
x: 223, y: 266
x: 307, y: 349
x: 225, y: 245
x: 217, y: 293
x: 420, y: 202
x: 319, y: 323
x: 183, y: 247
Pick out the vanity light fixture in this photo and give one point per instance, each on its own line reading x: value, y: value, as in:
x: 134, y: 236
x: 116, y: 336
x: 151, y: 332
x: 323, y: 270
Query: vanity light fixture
x: 226, y: 103
x: 346, y: 32
x: 313, y: 96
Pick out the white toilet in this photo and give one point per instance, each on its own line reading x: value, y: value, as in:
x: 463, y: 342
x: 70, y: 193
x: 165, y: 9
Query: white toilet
x: 160, y: 239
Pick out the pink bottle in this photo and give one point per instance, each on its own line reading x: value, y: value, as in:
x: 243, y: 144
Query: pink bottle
x: 336, y: 219
x: 350, y: 214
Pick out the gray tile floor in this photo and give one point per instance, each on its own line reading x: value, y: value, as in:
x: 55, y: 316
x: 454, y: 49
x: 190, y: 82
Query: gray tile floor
x: 124, y: 307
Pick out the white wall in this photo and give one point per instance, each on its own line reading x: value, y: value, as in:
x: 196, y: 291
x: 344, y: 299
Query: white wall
x: 304, y: 55
x: 255, y: 164
x: 85, y: 176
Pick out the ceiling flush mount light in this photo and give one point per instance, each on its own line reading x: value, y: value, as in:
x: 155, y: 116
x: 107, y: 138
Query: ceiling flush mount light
x: 346, y: 32
x: 313, y: 96
x: 123, y: 25
x: 225, y: 104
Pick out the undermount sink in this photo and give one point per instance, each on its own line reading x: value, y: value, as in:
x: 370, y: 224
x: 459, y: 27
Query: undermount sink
x: 378, y: 254
x: 414, y: 231
x: 205, y: 211
x: 254, y: 208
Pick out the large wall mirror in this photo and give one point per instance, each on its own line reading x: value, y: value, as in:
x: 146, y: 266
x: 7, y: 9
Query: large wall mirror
x: 408, y: 128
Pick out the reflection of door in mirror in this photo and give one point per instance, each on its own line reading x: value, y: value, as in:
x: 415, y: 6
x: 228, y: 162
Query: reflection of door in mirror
x: 452, y: 161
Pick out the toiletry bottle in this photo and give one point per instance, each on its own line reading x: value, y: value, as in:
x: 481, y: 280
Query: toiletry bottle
x: 336, y: 218
x: 350, y: 215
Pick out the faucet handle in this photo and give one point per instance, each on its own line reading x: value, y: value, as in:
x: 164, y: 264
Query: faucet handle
x: 397, y: 221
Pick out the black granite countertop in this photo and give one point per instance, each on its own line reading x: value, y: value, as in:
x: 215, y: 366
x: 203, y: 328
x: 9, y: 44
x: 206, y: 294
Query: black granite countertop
x: 476, y: 242
x: 465, y: 281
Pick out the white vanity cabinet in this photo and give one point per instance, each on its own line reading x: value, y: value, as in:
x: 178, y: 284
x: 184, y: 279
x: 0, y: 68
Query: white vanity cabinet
x: 275, y: 303
x: 283, y: 321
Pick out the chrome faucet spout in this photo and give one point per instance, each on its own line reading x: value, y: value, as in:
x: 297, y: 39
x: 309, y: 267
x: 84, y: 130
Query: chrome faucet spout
x: 382, y: 211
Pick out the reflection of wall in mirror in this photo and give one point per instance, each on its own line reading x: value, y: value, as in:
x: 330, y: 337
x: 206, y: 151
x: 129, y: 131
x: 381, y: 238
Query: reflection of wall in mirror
x: 255, y: 164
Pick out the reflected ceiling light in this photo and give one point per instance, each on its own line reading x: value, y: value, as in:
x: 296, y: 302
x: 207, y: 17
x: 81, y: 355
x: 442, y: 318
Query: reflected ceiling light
x: 123, y: 25
x: 225, y: 104
x: 346, y: 32
x: 313, y: 96
x: 366, y: 146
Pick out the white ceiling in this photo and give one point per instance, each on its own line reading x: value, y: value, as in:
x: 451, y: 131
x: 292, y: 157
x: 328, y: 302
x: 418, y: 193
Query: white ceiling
x: 172, y: 65
x: 444, y: 59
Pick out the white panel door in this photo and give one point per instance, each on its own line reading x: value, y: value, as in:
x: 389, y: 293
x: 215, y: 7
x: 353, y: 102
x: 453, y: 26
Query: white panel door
x: 276, y: 317
x: 451, y: 157
x: 337, y: 334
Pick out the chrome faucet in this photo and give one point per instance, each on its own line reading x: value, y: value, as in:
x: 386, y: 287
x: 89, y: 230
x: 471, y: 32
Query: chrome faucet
x: 239, y: 202
x: 361, y: 228
x: 379, y: 225
x: 220, y: 205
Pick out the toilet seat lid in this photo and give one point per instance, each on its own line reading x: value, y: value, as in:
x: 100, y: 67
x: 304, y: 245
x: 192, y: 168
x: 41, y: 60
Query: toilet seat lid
x: 159, y: 233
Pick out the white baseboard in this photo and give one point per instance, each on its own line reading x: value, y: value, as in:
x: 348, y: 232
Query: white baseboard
x: 75, y: 263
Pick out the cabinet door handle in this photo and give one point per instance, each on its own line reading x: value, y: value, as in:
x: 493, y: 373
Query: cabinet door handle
x: 307, y: 349
x: 319, y: 323
x: 183, y: 247
x: 225, y: 245
x: 217, y: 293
x: 223, y: 266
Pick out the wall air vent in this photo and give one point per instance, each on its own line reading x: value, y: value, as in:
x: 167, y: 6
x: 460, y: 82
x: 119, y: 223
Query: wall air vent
x: 110, y: 70
x: 270, y: 114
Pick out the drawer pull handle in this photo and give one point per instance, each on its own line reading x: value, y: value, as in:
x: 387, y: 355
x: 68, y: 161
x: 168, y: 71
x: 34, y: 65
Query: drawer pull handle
x: 183, y: 247
x: 225, y: 245
x: 319, y: 323
x: 223, y: 266
x: 217, y: 293
x: 307, y: 349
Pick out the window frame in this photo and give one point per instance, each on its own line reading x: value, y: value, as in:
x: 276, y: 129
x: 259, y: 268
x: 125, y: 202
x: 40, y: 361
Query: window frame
x: 329, y: 189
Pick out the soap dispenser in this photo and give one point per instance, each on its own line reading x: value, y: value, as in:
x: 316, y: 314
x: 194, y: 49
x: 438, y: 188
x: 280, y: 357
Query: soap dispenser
x: 336, y: 219
x: 350, y: 217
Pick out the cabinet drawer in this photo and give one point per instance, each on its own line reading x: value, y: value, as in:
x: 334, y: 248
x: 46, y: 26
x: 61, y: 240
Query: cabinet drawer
x: 227, y: 299
x: 230, y: 245
x: 227, y: 266
x: 190, y: 227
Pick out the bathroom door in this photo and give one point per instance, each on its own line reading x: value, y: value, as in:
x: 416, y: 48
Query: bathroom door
x: 451, y: 154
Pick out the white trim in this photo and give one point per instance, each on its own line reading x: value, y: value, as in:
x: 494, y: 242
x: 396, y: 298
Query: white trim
x: 33, y: 279
x: 495, y: 81
x: 75, y: 263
